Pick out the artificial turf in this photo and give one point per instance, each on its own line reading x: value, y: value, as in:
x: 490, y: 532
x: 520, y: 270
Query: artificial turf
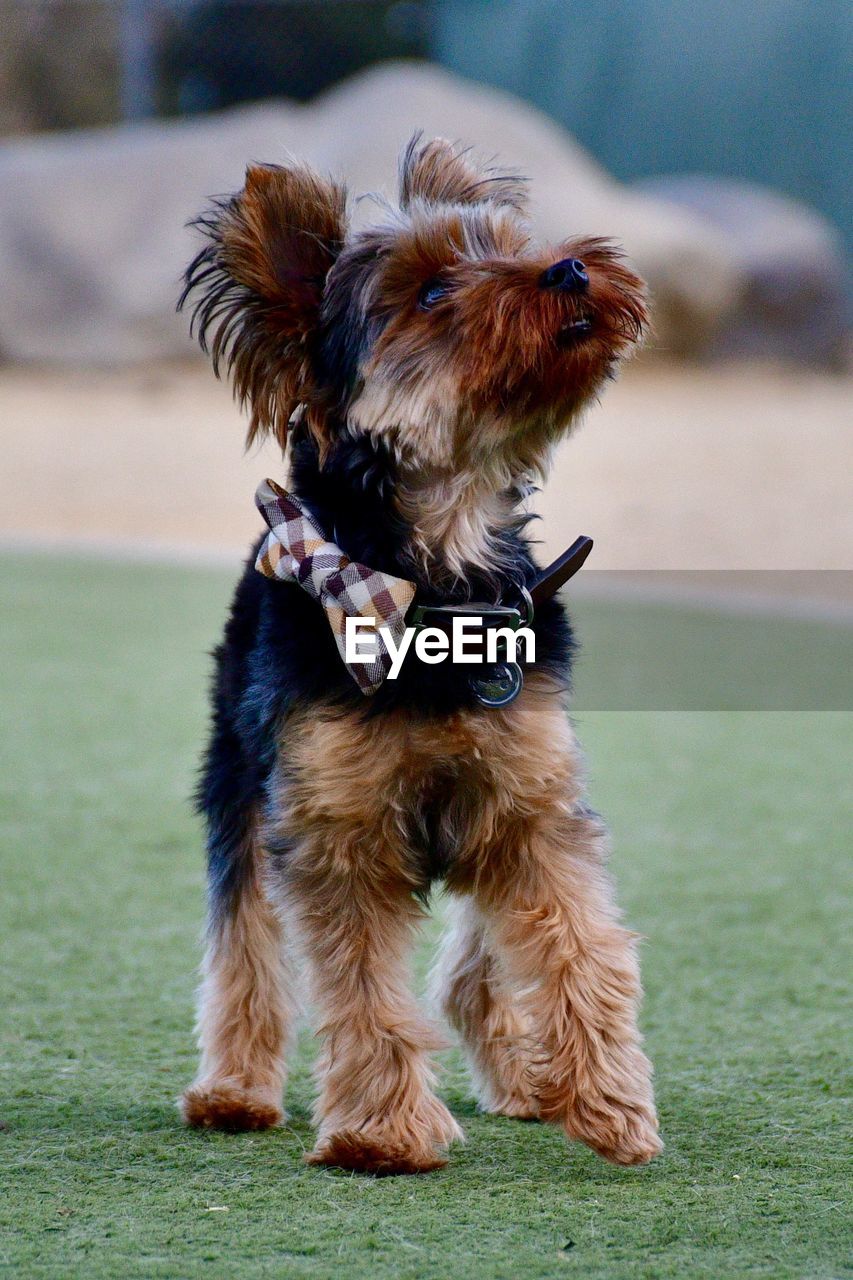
x: 731, y: 833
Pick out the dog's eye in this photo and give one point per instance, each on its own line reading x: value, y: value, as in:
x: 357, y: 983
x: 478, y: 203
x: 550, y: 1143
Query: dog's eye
x: 431, y: 293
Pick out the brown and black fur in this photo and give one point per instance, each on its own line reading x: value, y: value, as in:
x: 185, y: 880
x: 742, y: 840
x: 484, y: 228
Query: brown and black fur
x: 419, y: 372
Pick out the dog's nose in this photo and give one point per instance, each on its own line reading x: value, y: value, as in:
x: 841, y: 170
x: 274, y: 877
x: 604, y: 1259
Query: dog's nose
x: 569, y: 275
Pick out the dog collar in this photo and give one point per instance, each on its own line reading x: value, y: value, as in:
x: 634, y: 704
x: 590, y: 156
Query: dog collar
x: 500, y: 683
x: 296, y: 550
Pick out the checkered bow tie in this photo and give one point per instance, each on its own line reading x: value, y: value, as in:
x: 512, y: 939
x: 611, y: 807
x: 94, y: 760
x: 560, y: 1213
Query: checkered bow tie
x: 295, y: 551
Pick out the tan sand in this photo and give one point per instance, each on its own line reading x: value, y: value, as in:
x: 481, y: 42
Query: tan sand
x: 678, y: 468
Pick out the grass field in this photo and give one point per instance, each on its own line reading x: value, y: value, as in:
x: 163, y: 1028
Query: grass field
x: 731, y: 832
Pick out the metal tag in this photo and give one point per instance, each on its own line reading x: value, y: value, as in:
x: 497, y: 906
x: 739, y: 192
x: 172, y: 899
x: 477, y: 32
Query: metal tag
x: 499, y: 686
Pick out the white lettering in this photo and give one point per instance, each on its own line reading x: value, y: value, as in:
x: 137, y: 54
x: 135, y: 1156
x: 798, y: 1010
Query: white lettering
x: 510, y: 638
x: 359, y: 649
x: 462, y: 632
x: 397, y: 653
x: 432, y: 644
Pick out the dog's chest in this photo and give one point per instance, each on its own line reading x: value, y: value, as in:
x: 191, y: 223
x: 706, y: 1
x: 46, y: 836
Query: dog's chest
x: 432, y: 787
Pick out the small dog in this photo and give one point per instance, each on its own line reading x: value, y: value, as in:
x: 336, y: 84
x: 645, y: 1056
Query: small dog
x: 420, y: 371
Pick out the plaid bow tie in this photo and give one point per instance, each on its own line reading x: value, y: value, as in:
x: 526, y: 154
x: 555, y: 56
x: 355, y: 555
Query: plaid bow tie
x: 295, y: 551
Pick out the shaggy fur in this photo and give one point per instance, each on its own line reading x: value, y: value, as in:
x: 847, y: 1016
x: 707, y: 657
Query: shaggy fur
x: 420, y: 372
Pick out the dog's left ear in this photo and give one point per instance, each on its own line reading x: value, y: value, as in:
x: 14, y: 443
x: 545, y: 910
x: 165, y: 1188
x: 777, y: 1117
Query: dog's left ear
x: 257, y: 287
x: 440, y: 172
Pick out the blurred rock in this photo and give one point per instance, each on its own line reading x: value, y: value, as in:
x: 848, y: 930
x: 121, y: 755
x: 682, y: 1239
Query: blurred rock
x: 93, y: 241
x: 794, y: 299
x: 363, y: 123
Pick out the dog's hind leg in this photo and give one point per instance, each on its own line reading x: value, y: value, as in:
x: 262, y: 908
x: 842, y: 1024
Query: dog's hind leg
x: 245, y: 1004
x: 478, y: 1002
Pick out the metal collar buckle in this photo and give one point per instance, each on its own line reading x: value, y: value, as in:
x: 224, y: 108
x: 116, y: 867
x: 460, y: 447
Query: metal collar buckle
x: 498, y: 683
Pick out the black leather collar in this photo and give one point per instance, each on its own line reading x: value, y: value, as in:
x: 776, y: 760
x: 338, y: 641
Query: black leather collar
x: 549, y: 581
x: 498, y: 684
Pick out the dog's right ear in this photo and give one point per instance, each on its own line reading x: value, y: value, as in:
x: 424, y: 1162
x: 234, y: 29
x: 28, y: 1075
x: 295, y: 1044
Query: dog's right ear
x: 442, y: 172
x: 257, y: 286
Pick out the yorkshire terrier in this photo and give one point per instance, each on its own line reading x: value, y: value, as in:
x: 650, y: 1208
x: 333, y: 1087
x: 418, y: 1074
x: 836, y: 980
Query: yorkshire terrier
x: 420, y: 372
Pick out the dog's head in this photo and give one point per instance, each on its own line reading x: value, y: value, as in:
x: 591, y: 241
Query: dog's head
x: 441, y: 329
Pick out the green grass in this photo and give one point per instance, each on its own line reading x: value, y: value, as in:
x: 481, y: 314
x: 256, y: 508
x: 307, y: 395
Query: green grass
x: 731, y: 833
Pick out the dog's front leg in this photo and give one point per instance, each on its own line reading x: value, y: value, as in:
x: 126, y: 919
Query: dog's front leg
x: 376, y: 1111
x: 551, y: 913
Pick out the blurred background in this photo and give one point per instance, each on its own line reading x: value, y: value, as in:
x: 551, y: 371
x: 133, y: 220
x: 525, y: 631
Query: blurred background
x: 712, y: 140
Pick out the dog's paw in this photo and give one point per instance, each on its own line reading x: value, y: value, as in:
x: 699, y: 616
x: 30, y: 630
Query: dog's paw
x: 374, y: 1153
x: 414, y: 1142
x: 623, y: 1135
x: 513, y: 1105
x: 227, y: 1105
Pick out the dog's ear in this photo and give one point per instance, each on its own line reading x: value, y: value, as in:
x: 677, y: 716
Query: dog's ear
x: 257, y: 286
x: 440, y: 172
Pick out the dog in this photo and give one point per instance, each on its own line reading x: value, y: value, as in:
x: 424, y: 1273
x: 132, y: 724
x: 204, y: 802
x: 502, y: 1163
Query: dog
x: 419, y: 372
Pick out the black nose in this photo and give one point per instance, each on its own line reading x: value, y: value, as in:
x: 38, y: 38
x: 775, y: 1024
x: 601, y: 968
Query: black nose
x: 569, y: 275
